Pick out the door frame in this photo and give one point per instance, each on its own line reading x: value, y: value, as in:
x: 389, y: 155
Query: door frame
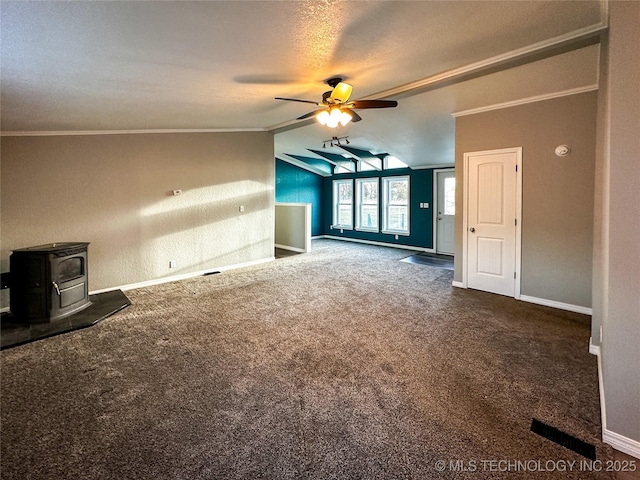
x: 465, y: 219
x: 435, y: 205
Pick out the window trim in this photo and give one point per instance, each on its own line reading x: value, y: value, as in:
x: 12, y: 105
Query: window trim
x: 336, y: 204
x: 358, y: 205
x: 385, y: 205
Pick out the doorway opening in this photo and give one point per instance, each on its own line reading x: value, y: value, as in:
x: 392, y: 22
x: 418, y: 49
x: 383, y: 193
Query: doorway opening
x: 491, y: 234
x: 444, y: 197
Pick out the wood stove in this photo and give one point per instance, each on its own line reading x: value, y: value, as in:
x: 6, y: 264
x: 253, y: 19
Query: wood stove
x: 49, y: 282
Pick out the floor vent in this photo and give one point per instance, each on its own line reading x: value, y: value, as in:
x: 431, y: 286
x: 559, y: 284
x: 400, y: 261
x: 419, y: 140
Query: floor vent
x: 572, y: 443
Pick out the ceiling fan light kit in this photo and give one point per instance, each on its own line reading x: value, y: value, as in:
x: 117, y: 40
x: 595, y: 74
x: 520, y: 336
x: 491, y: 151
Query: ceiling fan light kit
x: 341, y: 92
x: 334, y: 116
x: 336, y: 107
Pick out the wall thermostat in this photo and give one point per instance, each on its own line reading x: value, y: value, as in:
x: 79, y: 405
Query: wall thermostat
x: 562, y: 150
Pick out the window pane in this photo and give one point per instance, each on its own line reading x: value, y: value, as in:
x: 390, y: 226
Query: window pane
x: 365, y: 167
x: 449, y: 196
x: 397, y: 218
x: 345, y: 193
x: 396, y: 205
x: 344, y: 215
x: 369, y: 216
x: 367, y: 204
x: 343, y: 203
x: 398, y: 192
x: 393, y: 162
x: 370, y: 192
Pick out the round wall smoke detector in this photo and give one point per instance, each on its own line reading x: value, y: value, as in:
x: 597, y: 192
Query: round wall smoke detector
x: 562, y: 150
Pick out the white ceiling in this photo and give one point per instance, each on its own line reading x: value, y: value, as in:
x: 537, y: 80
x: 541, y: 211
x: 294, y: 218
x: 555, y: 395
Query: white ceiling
x: 182, y: 65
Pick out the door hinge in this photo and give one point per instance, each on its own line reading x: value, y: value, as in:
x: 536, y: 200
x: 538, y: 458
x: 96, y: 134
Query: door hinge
x: 516, y: 222
x: 514, y: 275
x: 516, y: 168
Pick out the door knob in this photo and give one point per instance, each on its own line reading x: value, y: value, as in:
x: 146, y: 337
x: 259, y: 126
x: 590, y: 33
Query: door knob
x: 472, y: 229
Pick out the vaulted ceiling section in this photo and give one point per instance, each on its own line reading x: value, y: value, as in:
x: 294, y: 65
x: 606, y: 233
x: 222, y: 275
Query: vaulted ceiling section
x: 86, y: 67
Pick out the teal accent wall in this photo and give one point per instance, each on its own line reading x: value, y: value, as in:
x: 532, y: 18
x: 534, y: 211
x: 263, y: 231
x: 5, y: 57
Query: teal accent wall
x: 421, y: 219
x: 296, y: 185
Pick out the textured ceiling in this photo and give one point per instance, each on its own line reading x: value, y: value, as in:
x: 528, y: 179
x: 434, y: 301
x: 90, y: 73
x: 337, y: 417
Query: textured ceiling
x: 88, y: 66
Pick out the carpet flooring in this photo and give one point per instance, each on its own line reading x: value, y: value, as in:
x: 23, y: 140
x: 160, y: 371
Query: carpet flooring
x: 343, y: 363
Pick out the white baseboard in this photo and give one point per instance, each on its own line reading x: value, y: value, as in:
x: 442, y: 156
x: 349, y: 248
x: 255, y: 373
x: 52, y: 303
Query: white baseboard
x: 288, y: 247
x: 545, y: 302
x: 621, y: 443
x: 554, y: 304
x: 158, y: 281
x: 381, y: 244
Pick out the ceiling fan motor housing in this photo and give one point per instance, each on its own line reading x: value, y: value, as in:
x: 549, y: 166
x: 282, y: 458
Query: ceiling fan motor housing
x: 332, y: 82
x: 336, y: 101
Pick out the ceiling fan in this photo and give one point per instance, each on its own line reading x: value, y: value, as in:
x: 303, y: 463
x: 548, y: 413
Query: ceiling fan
x: 336, y: 107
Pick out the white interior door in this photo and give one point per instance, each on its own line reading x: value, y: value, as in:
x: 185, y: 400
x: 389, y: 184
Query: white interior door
x: 491, y: 226
x: 446, y: 211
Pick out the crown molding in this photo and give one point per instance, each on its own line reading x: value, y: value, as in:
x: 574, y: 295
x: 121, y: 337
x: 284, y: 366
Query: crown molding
x: 58, y: 133
x: 574, y: 40
x: 524, y: 101
x: 562, y: 43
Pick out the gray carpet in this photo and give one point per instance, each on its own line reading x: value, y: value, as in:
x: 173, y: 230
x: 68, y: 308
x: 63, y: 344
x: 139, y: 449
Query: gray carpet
x: 343, y: 363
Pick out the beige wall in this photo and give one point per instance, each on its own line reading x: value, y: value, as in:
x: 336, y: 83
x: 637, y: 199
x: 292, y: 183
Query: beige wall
x: 114, y: 191
x: 558, y: 198
x: 619, y: 310
x: 293, y: 226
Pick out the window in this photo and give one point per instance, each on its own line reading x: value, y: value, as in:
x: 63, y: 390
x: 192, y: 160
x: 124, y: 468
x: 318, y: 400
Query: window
x: 395, y: 212
x: 342, y: 169
x: 367, y: 204
x: 391, y: 162
x: 365, y: 167
x: 343, y: 204
x: 449, y: 207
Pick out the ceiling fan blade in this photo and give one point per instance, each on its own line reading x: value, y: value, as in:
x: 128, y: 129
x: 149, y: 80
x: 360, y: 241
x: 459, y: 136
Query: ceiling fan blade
x: 354, y: 116
x: 310, y: 114
x: 341, y: 93
x: 297, y: 100
x: 374, y: 103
